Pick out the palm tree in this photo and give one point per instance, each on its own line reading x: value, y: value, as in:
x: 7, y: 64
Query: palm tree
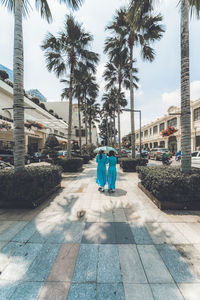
x: 90, y: 91
x: 141, y: 30
x: 186, y: 5
x: 110, y: 106
x: 93, y: 116
x: 80, y: 74
x: 20, y: 8
x: 117, y: 72
x: 63, y: 53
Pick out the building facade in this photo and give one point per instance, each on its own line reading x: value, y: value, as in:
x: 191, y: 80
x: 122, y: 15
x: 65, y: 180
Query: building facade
x: 62, y: 109
x: 39, y: 123
x: 151, y: 136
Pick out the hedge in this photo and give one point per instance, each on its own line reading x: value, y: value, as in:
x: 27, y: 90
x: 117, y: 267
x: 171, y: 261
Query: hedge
x: 70, y: 165
x: 85, y: 157
x: 120, y: 157
x: 171, y: 184
x: 28, y: 188
x: 130, y: 164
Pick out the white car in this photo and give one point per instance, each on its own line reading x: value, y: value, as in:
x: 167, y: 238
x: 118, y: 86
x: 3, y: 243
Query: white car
x: 5, y: 165
x: 196, y: 158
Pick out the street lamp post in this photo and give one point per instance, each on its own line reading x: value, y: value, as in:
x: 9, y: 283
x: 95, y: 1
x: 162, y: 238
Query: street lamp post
x: 140, y: 120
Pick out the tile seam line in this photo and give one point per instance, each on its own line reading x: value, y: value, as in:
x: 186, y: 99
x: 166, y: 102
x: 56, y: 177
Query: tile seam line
x: 120, y: 271
x: 145, y: 272
x: 176, y: 284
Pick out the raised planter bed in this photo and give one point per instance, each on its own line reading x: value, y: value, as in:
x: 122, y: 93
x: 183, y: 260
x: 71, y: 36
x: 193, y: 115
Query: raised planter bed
x: 33, y: 204
x: 169, y: 205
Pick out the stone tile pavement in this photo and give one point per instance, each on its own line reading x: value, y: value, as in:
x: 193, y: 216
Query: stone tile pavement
x: 123, y: 248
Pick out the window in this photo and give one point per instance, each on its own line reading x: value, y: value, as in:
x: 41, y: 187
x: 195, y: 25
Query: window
x: 155, y: 129
x: 197, y: 114
x: 82, y: 133
x: 141, y: 134
x: 155, y: 145
x: 146, y: 133
x: 55, y: 131
x: 61, y: 133
x: 150, y: 131
x: 162, y: 144
x: 162, y: 126
x: 137, y: 136
x: 198, y: 141
x: 172, y: 122
x: 150, y: 145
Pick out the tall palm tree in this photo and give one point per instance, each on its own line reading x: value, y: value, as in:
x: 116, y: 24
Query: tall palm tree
x: 110, y: 106
x: 20, y: 8
x: 93, y: 116
x: 194, y: 6
x: 80, y: 74
x: 141, y: 30
x: 117, y: 72
x: 63, y: 53
x: 90, y: 91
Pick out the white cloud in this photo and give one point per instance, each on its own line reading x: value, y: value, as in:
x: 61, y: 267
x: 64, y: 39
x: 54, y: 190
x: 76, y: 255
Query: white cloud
x: 173, y: 98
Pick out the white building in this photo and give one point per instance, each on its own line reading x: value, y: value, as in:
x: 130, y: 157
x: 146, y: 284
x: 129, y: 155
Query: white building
x: 38, y: 123
x: 151, y: 136
x: 62, y: 109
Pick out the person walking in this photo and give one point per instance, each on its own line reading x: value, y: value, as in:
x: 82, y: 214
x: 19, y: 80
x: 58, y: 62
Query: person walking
x: 101, y: 170
x: 112, y: 171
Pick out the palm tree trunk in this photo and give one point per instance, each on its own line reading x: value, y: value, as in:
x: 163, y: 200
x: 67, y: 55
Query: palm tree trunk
x: 90, y: 132
x: 70, y: 112
x: 185, y: 90
x: 118, y: 112
x: 132, y: 104
x: 79, y: 123
x: 114, y: 129
x: 107, y: 131
x: 111, y: 136
x: 18, y: 90
x: 86, y: 124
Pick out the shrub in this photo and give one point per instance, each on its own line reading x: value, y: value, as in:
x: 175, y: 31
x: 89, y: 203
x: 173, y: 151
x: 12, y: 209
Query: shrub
x: 170, y: 184
x: 3, y: 75
x: 35, y: 100
x: 120, y: 157
x: 85, y: 157
x: 70, y: 165
x: 51, y: 147
x: 130, y: 164
x: 25, y: 188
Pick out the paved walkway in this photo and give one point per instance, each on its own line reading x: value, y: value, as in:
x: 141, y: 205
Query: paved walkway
x: 124, y: 248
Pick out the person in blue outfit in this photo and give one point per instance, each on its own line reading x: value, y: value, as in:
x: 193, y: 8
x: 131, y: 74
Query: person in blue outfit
x: 101, y: 170
x: 112, y: 171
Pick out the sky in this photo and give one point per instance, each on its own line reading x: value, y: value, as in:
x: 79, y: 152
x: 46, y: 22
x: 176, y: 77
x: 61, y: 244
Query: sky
x: 159, y: 85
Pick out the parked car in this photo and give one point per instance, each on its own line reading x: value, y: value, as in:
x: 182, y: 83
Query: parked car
x: 5, y: 165
x: 156, y: 153
x: 62, y: 154
x: 144, y: 154
x: 125, y: 151
x: 8, y: 156
x: 38, y: 157
x: 196, y: 157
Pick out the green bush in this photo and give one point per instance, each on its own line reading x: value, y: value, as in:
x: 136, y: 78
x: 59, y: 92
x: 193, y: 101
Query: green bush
x: 85, y: 157
x: 3, y: 75
x: 70, y: 165
x: 120, y: 157
x: 130, y: 164
x: 25, y: 188
x: 170, y: 184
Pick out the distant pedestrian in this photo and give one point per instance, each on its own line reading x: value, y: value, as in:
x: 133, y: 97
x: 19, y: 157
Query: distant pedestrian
x: 101, y: 170
x: 112, y: 171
